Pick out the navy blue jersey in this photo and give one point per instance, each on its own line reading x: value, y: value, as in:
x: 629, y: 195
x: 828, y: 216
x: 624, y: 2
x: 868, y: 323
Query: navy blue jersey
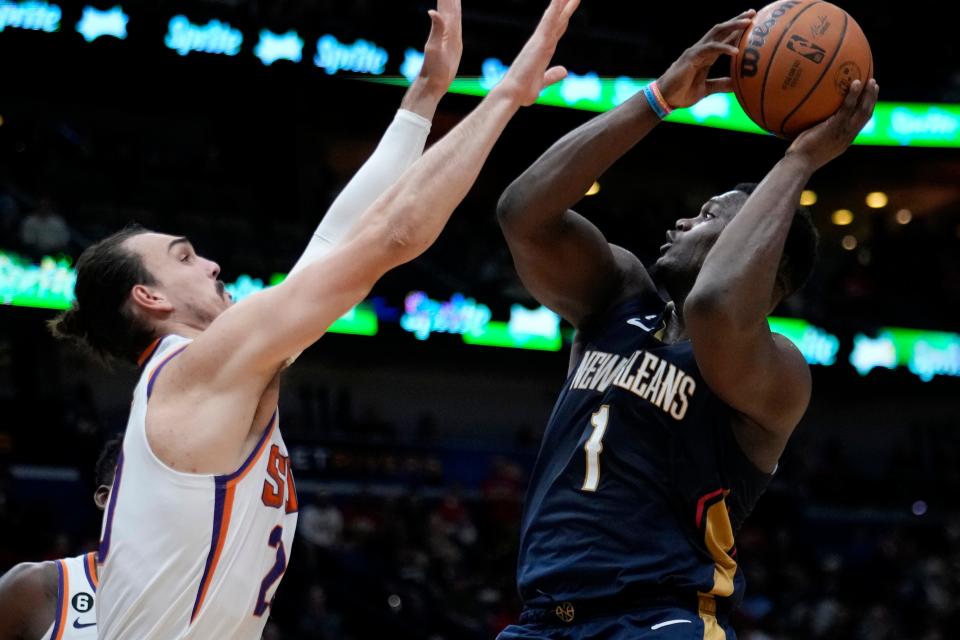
x: 640, y: 484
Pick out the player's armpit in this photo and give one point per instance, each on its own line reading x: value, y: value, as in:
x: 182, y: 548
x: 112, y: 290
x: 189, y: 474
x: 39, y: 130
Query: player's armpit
x: 251, y: 340
x: 568, y: 266
x: 205, y: 399
x: 760, y: 374
x: 24, y: 600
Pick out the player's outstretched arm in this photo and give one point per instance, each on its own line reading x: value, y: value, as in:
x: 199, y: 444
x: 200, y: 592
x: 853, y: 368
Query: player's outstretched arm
x: 232, y: 361
x: 561, y: 257
x: 404, y: 140
x: 23, y: 597
x: 760, y: 374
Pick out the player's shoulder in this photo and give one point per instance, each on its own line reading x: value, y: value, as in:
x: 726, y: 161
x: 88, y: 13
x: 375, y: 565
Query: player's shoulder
x: 30, y: 577
x: 635, y: 293
x: 26, y: 589
x: 633, y: 273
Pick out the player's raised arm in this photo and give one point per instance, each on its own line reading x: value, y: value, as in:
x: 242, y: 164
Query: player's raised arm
x: 562, y: 258
x: 234, y: 359
x: 762, y: 375
x: 404, y: 139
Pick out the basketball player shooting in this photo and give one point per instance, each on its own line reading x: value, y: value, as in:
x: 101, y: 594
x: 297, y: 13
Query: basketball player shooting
x: 202, y: 511
x: 675, y: 412
x: 57, y: 600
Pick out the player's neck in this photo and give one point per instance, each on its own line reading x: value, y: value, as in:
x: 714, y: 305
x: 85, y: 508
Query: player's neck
x: 179, y: 328
x: 674, y: 330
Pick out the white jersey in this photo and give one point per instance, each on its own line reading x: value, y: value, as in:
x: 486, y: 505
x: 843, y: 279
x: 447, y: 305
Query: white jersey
x: 76, y: 617
x: 187, y: 555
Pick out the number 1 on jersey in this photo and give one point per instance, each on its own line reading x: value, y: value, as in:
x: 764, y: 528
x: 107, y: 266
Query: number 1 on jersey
x: 594, y: 447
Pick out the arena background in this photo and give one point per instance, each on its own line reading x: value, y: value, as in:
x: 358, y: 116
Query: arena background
x: 412, y: 446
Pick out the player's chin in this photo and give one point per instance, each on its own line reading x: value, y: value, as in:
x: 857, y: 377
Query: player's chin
x: 662, y: 264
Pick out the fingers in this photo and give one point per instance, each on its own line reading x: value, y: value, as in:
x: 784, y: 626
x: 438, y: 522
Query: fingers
x: 868, y: 100
x: 719, y: 85
x: 452, y: 13
x: 723, y: 30
x: 437, y: 26
x: 557, y: 17
x: 450, y: 8
x: 569, y: 9
x: 554, y: 75
x: 852, y: 98
x: 709, y: 52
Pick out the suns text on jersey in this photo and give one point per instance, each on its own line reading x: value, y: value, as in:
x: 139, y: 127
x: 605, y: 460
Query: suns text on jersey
x: 642, y: 373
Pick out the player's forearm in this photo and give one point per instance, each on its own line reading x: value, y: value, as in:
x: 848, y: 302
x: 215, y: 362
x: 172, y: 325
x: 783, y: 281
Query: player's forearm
x: 418, y: 206
x: 402, y: 144
x: 737, y: 280
x: 560, y: 177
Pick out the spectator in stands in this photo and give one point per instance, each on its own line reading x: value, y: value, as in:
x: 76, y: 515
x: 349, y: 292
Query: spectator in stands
x: 321, y: 523
x: 44, y: 232
x: 317, y: 621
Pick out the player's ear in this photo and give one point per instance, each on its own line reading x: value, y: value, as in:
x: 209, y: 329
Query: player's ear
x: 146, y: 297
x: 101, y: 496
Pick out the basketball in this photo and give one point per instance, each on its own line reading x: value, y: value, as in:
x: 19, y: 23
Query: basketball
x: 796, y: 62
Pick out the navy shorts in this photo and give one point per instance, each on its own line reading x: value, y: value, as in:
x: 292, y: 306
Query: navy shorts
x: 664, y: 623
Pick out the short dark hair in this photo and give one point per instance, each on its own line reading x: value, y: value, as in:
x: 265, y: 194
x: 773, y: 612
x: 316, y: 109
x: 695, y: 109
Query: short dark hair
x: 98, y: 321
x: 107, y: 461
x: 800, y: 250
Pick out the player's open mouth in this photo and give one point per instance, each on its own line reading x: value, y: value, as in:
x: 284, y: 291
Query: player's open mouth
x: 664, y: 248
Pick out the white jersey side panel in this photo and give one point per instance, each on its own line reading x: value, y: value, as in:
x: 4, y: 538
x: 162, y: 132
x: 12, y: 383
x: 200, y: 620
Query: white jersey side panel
x: 76, y: 616
x: 192, y: 556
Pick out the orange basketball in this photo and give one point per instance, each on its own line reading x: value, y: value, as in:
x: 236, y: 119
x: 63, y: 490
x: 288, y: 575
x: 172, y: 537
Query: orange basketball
x: 796, y: 62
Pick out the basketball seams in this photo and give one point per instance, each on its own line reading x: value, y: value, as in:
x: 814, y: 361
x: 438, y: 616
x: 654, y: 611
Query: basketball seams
x: 826, y: 68
x: 735, y: 65
x: 773, y: 55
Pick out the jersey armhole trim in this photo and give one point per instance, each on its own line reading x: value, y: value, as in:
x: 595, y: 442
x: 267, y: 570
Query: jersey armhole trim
x: 63, y: 581
x: 159, y: 367
x: 90, y: 568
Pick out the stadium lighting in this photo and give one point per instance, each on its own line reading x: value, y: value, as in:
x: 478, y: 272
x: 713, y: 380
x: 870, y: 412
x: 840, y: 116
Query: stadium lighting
x: 877, y: 200
x: 842, y: 217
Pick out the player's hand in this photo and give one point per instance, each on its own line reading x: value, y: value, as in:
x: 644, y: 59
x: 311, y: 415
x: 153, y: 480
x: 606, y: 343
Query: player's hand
x: 529, y: 75
x: 685, y: 83
x: 444, y: 48
x: 829, y: 139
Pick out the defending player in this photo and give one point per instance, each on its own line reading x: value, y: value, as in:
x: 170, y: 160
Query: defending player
x: 202, y: 511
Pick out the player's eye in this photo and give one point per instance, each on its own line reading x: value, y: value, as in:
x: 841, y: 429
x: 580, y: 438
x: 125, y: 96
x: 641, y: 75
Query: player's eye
x: 185, y: 257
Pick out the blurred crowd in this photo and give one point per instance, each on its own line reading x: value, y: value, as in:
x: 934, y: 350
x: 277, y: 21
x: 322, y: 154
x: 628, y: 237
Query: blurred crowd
x: 832, y: 552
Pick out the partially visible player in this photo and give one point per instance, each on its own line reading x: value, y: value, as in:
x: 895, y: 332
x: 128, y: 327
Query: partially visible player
x: 676, y: 411
x: 203, y: 509
x: 56, y: 600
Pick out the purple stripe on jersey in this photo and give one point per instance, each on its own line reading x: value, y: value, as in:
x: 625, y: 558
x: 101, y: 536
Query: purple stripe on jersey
x: 218, y: 507
x: 61, y: 597
x: 108, y: 528
x: 256, y: 450
x: 153, y: 376
x: 86, y: 570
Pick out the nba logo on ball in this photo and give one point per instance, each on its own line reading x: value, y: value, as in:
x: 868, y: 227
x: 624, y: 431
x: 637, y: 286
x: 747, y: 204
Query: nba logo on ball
x: 797, y: 62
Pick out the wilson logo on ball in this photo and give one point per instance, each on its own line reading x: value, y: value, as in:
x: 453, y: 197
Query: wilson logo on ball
x: 750, y: 59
